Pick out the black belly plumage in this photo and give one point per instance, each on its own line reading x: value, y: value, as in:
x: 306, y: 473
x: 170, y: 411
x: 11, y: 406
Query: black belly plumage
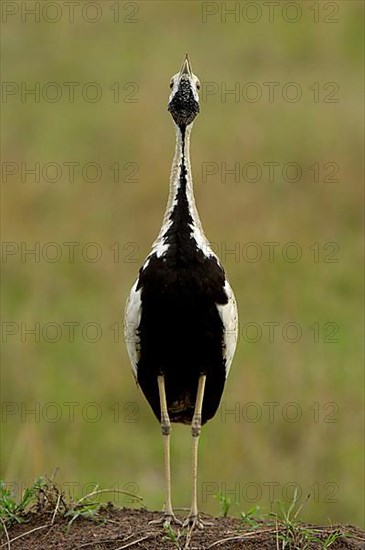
x: 181, y: 333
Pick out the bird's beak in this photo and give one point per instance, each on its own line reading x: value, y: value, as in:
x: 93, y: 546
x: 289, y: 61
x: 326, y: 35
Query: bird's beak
x: 186, y: 67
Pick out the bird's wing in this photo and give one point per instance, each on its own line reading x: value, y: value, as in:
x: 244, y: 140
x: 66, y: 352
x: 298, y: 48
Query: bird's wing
x: 132, y: 319
x: 229, y: 315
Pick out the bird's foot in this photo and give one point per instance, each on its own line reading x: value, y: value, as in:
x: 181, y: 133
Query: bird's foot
x: 193, y: 521
x: 166, y: 520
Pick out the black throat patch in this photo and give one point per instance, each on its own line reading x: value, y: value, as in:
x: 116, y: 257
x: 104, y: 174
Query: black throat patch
x: 183, y: 106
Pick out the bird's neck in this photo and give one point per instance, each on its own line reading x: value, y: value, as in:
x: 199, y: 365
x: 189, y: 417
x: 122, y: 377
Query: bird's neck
x: 181, y: 221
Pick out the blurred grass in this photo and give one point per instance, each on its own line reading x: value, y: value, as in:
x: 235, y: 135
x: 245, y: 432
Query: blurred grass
x: 327, y: 456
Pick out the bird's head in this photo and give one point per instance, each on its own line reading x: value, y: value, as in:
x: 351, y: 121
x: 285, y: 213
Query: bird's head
x: 184, y: 97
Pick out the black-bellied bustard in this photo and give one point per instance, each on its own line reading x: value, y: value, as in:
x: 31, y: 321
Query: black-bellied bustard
x: 181, y: 310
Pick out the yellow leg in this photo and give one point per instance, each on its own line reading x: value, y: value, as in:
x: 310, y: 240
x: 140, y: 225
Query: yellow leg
x: 192, y: 519
x: 169, y: 515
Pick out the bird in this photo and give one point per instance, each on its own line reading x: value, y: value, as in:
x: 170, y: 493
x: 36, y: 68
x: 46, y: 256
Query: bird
x: 181, y: 314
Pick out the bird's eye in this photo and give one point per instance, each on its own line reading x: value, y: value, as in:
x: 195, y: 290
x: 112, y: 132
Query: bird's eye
x: 198, y: 85
x: 171, y: 84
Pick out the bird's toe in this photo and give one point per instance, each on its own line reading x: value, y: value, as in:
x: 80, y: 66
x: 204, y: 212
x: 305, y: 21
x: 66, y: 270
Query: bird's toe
x: 195, y: 522
x: 166, y: 520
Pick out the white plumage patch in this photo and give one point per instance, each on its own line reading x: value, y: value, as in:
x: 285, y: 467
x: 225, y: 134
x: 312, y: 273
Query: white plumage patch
x: 133, y: 311
x: 229, y: 315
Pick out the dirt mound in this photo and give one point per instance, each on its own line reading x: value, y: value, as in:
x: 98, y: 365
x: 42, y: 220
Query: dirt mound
x: 116, y: 529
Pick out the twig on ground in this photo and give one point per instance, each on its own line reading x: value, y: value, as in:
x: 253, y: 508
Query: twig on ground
x: 99, y: 491
x: 54, y: 515
x: 239, y: 537
x: 6, y: 533
x: 25, y: 534
x: 134, y: 542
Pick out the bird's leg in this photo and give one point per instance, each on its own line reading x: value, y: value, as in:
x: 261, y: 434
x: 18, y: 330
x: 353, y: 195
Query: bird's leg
x: 193, y: 519
x: 169, y: 516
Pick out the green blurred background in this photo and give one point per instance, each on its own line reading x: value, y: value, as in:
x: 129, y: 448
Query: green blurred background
x: 251, y: 455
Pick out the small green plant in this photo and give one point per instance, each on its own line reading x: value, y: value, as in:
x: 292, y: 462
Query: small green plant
x: 45, y: 496
x: 172, y: 535
x: 225, y: 503
x: 331, y: 538
x: 288, y: 531
x: 13, y: 511
x: 87, y: 507
x: 293, y: 534
x: 89, y: 510
x: 9, y: 509
x: 251, y: 517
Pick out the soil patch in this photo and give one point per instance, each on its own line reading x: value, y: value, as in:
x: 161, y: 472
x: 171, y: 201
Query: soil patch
x: 122, y: 528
